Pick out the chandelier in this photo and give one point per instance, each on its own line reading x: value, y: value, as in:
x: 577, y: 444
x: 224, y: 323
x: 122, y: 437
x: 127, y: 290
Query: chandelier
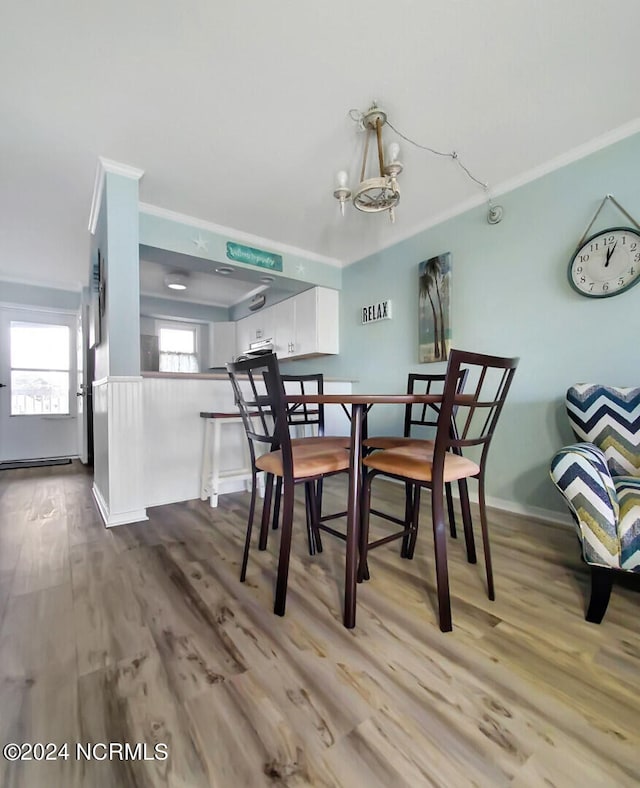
x: 380, y: 192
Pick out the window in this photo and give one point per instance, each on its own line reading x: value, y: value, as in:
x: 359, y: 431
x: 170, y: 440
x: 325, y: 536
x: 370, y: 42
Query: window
x: 40, y: 369
x: 178, y: 349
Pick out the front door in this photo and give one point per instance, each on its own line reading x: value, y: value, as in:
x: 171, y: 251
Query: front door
x: 38, y: 405
x: 84, y: 395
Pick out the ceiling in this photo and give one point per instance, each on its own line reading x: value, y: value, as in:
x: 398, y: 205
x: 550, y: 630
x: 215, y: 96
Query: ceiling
x: 238, y: 113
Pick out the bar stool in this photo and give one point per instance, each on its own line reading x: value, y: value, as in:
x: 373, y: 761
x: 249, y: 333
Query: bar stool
x: 211, y: 473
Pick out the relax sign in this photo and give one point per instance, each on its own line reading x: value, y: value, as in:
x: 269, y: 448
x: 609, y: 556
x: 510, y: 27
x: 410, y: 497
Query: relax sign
x: 379, y: 311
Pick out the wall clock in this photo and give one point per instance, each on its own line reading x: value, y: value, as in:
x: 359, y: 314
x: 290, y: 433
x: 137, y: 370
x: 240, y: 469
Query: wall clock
x: 607, y: 263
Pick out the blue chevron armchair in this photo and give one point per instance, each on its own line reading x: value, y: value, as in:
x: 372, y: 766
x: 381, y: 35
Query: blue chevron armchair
x: 600, y: 481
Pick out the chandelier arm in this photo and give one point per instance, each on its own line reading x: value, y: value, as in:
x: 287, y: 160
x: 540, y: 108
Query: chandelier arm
x: 379, y: 138
x: 364, y: 158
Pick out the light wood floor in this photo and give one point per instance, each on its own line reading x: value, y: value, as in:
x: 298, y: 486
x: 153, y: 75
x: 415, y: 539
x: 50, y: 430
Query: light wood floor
x: 144, y: 633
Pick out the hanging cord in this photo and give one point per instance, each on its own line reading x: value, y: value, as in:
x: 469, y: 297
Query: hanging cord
x: 495, y: 213
x: 452, y: 155
x: 597, y: 213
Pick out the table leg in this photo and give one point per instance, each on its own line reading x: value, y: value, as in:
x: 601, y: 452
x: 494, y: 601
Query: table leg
x: 353, y: 517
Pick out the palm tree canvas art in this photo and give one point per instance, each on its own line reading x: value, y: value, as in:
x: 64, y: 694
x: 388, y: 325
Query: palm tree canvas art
x: 434, y: 314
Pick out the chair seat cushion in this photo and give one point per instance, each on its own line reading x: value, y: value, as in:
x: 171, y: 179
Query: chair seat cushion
x: 416, y: 464
x: 396, y: 442
x: 628, y: 491
x: 307, y: 462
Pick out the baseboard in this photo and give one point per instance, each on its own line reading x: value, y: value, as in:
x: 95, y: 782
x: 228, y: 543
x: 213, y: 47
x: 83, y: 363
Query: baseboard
x: 225, y: 486
x: 513, y: 507
x: 536, y: 512
x: 122, y: 518
x: 12, y: 465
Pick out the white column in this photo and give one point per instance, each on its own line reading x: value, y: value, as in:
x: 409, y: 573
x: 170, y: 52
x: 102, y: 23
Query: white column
x: 118, y: 486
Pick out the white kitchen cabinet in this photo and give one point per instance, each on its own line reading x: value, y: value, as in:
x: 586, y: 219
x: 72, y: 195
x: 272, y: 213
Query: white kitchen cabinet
x: 243, y: 334
x: 305, y: 325
x: 316, y: 322
x: 222, y: 343
x: 308, y: 324
x: 284, y: 327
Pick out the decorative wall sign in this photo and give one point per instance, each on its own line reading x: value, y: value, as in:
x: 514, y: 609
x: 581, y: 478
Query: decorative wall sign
x: 434, y: 319
x: 95, y: 333
x: 379, y: 311
x: 258, y: 257
x: 102, y: 289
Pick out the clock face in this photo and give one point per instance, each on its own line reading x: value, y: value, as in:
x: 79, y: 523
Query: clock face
x: 606, y: 264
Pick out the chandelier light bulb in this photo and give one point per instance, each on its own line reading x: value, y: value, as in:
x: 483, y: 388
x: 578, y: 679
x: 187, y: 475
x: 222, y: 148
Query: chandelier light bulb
x: 393, y: 151
x: 342, y: 192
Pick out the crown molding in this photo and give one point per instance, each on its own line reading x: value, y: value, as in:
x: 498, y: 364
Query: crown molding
x: 104, y: 166
x: 70, y: 287
x: 575, y: 154
x: 47, y: 310
x: 239, y: 235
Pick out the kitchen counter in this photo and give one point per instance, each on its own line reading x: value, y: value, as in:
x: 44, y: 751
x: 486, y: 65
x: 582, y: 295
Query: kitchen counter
x: 187, y: 375
x: 219, y: 376
x: 173, y: 431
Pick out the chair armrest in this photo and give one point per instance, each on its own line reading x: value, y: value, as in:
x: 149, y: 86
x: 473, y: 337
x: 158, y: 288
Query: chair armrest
x: 581, y: 474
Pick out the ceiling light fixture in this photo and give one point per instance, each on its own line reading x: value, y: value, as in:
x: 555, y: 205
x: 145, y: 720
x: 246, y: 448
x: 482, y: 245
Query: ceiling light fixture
x: 176, y: 281
x: 267, y: 279
x: 379, y: 192
x: 224, y: 270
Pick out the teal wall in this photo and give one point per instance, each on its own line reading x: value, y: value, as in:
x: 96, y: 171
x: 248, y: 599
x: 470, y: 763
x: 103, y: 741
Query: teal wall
x: 45, y: 297
x: 510, y: 296
x: 123, y: 274
x: 177, y: 236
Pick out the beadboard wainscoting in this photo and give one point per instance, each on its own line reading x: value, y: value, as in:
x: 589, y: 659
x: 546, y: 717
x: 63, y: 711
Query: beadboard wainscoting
x: 173, y: 433
x: 174, y: 436
x: 118, y: 486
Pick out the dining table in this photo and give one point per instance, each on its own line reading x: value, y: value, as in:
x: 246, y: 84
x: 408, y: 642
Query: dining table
x: 360, y: 405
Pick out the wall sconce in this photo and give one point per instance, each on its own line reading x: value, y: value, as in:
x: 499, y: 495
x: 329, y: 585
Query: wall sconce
x: 380, y: 192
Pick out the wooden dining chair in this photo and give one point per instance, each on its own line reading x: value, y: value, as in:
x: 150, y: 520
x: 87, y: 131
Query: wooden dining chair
x: 474, y: 415
x: 420, y: 421
x: 260, y: 396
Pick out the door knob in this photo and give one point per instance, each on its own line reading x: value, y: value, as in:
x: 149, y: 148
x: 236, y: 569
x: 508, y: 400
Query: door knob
x: 3, y: 385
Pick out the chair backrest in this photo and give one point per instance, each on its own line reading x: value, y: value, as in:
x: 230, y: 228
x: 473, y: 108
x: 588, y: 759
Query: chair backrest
x: 260, y: 396
x: 474, y: 413
x: 303, y: 414
x: 608, y: 417
x: 423, y: 414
